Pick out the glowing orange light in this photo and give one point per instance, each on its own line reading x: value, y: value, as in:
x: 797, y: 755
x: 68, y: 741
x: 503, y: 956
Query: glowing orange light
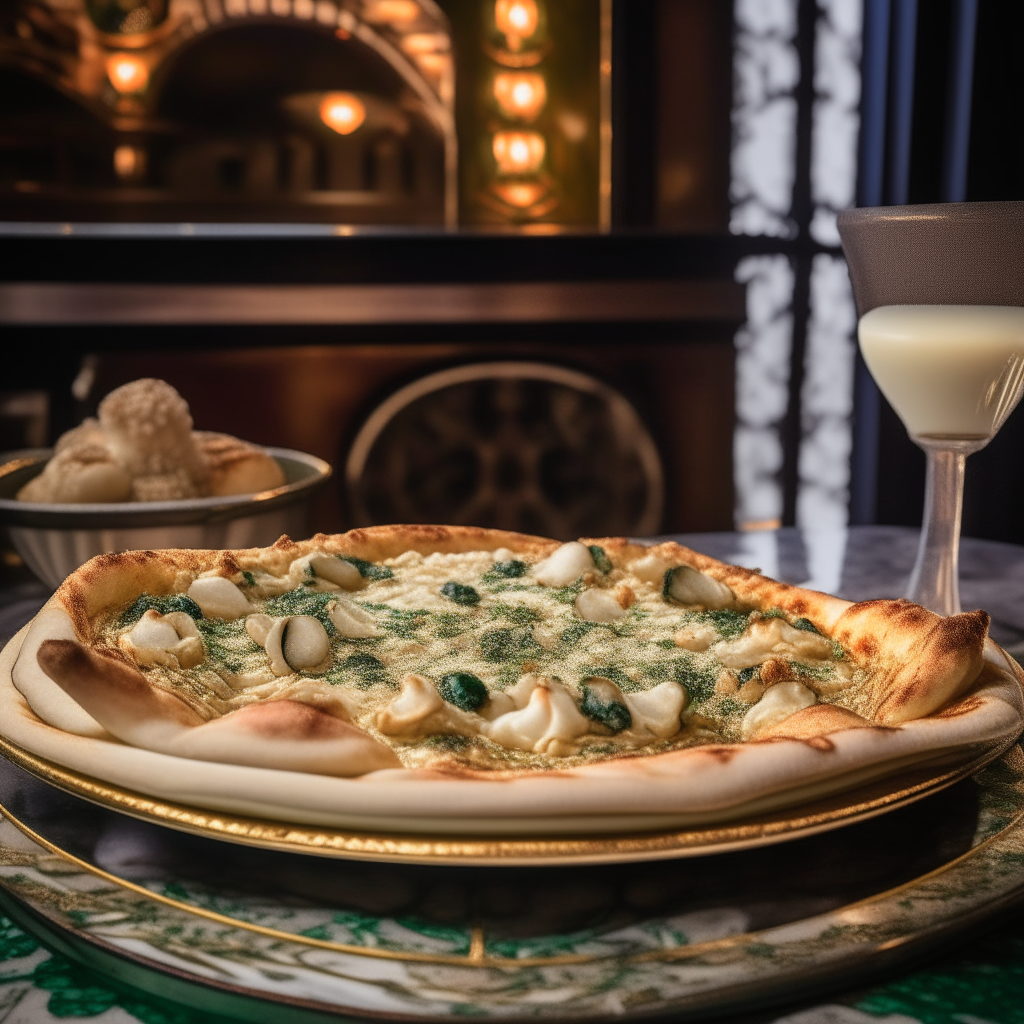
x: 516, y: 19
x: 394, y: 12
x: 128, y: 161
x: 519, y: 152
x: 432, y: 63
x: 342, y: 112
x: 127, y: 73
x: 520, y: 93
x: 425, y: 42
x: 521, y: 194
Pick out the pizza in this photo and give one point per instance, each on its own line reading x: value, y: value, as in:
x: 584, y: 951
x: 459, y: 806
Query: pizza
x: 470, y: 655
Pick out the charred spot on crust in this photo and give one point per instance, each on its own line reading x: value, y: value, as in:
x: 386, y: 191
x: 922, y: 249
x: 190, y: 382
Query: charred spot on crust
x: 962, y: 707
x: 866, y: 646
x: 288, y: 719
x: 820, y: 743
x: 721, y: 754
x: 967, y: 629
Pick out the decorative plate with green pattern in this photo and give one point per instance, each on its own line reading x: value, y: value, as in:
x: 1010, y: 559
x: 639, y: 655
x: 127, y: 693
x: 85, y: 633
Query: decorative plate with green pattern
x: 584, y: 942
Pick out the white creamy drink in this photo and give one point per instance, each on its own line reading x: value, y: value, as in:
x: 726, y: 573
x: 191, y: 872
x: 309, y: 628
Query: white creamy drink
x: 949, y: 371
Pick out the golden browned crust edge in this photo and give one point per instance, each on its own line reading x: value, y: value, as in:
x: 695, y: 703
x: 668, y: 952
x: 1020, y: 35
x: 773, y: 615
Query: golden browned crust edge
x: 920, y: 661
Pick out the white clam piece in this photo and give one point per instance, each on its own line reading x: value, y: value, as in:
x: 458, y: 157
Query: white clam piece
x: 153, y: 631
x: 773, y: 637
x: 219, y: 598
x: 549, y: 724
x: 564, y: 565
x: 688, y: 586
x: 305, y: 642
x: 658, y: 710
x: 258, y: 626
x: 498, y: 704
x: 294, y: 643
x: 418, y: 700
x: 779, y: 702
x: 171, y: 640
x: 696, y: 636
x: 330, y: 572
x: 351, y: 622
x: 596, y: 605
x: 651, y: 568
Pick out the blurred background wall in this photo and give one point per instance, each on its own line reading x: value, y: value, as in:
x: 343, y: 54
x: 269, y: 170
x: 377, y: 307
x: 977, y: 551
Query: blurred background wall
x: 618, y: 144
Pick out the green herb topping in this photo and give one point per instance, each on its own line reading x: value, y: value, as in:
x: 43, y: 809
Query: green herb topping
x: 611, y: 713
x: 368, y: 570
x: 499, y: 645
x: 366, y: 667
x: 164, y: 605
x: 460, y: 593
x: 601, y: 560
x: 511, y: 570
x: 464, y: 690
x: 303, y: 602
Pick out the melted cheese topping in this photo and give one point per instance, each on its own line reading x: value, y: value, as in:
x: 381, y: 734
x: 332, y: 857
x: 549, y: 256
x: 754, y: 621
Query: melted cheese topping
x: 571, y: 672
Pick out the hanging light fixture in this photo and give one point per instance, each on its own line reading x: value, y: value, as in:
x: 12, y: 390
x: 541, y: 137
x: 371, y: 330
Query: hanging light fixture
x: 516, y: 20
x: 342, y: 112
x: 127, y: 72
x: 519, y: 152
x: 520, y: 94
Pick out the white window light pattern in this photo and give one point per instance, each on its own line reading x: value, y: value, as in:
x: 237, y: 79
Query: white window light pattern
x: 766, y: 71
x: 763, y: 348
x: 766, y: 67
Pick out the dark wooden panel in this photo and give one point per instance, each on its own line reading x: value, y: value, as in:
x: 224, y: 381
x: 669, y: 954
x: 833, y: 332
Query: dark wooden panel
x: 316, y: 398
x: 694, y: 101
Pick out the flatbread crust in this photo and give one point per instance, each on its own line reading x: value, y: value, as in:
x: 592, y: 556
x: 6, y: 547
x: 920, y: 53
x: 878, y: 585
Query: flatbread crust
x: 922, y: 667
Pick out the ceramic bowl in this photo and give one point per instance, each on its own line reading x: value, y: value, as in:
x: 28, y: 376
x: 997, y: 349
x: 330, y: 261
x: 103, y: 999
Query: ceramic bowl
x: 54, y: 540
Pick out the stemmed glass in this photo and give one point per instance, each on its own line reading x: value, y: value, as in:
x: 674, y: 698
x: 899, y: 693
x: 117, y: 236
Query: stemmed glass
x: 953, y: 374
x: 940, y: 289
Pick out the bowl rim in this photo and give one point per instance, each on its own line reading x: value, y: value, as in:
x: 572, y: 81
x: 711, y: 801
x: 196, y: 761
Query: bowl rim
x: 137, y: 514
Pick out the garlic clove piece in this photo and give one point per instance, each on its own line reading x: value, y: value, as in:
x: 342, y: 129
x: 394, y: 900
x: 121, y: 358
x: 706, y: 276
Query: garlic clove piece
x: 596, y: 605
x: 779, y: 702
x: 418, y: 700
x: 351, y: 622
x: 153, y: 630
x: 183, y: 623
x: 686, y: 585
x: 658, y: 709
x: 189, y: 652
x: 219, y: 598
x: 565, y: 565
x: 336, y: 570
x: 275, y: 648
x: 258, y: 626
x: 304, y: 642
x: 549, y: 724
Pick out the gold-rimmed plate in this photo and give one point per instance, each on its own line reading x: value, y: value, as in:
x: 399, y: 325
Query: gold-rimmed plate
x: 931, y: 870
x: 847, y: 808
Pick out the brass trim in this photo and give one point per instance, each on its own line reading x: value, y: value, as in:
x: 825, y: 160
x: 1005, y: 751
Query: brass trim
x: 476, y: 955
x: 432, y: 849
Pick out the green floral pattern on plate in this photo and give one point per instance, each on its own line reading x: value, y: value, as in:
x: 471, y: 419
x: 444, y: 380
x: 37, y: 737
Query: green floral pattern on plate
x: 660, y: 964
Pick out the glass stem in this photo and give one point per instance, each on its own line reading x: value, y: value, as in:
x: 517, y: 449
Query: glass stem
x: 935, y: 581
